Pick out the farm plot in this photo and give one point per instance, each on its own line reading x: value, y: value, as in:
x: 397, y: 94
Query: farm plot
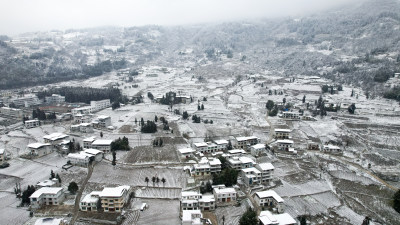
x: 308, y: 188
x: 125, y: 175
x: 160, y: 212
x: 232, y: 214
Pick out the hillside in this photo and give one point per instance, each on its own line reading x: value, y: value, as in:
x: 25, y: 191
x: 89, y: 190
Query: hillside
x: 349, y: 45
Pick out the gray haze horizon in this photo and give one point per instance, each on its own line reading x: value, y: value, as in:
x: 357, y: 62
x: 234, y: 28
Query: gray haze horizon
x: 22, y: 16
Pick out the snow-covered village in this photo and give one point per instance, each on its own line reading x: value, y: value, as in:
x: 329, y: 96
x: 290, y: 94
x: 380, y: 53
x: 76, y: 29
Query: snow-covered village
x: 144, y: 126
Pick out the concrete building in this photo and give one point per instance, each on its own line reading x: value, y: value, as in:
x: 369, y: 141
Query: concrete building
x: 87, y: 142
x: 222, y: 145
x: 268, y: 218
x: 114, y: 199
x: 267, y: 172
x: 224, y: 194
x: 99, y: 105
x: 291, y: 115
x: 2, y: 154
x: 11, y: 112
x: 331, y: 149
x: 25, y: 101
x: 102, y: 122
x: 192, y: 217
x: 90, y: 202
x: 47, y: 196
x: 102, y: 145
x: 186, y: 152
x: 48, y: 183
x: 282, y: 133
x: 269, y: 199
x: 246, y: 142
x: 285, y: 144
x: 55, y: 138
x: 207, y: 203
x: 40, y: 149
x: 79, y: 159
x: 239, y: 163
x: 55, y: 99
x: 257, y: 150
x: 32, y: 123
x: 97, y: 154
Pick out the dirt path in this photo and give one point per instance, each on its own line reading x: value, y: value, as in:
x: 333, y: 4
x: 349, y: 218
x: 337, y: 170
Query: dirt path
x: 75, y: 212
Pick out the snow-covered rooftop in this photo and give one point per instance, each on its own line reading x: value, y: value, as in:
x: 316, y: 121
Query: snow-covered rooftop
x: 55, y: 136
x: 102, y: 142
x: 89, y: 139
x: 92, y: 151
x: 80, y: 155
x: 268, y: 194
x: 47, y: 191
x: 283, y: 130
x: 221, y: 142
x: 207, y: 198
x: 200, y: 144
x: 93, y: 197
x: 38, y: 145
x: 114, y: 192
x: 286, y: 141
x: 258, y: 146
x: 246, y: 138
x: 186, y: 150
x: 266, y: 166
x: 236, y: 151
x: 266, y: 217
x: 224, y: 190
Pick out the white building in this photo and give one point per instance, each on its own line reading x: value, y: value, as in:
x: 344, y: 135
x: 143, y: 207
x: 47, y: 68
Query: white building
x: 55, y: 99
x: 40, y: 149
x: 192, y: 217
x: 237, y: 152
x: 246, y: 142
x: 222, y: 145
x: 202, y: 168
x: 267, y: 172
x: 55, y: 138
x: 186, y: 152
x: 291, y: 115
x: 2, y: 154
x: 251, y: 176
x: 47, y: 196
x: 190, y: 200
x: 284, y: 144
x: 282, y: 133
x: 269, y: 199
x: 331, y: 149
x: 90, y: 202
x: 87, y: 142
x: 207, y: 203
x: 97, y: 154
x: 102, y: 122
x: 83, y: 128
x: 82, y: 111
x: 79, y: 159
x: 257, y: 149
x: 11, y: 112
x: 205, y: 147
x: 267, y: 218
x: 224, y: 194
x: 99, y: 105
x: 239, y: 163
x: 102, y: 145
x: 32, y: 123
x: 215, y: 165
x: 114, y: 199
x: 26, y: 101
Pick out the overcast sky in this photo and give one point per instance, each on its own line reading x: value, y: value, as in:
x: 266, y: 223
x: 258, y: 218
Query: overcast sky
x: 18, y: 16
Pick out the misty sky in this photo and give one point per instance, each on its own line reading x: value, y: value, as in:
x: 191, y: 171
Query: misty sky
x: 18, y: 16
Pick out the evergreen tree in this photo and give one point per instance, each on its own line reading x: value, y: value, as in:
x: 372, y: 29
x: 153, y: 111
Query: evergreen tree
x: 163, y: 181
x: 146, y: 180
x: 270, y: 104
x: 202, y: 107
x: 101, y: 134
x: 52, y: 174
x: 396, y: 201
x: 352, y: 108
x: 304, y: 99
x: 249, y: 218
x: 58, y: 178
x: 155, y: 118
x: 73, y: 187
x: 185, y: 115
x: 229, y: 147
x: 153, y: 179
x: 135, y: 120
x: 114, y: 160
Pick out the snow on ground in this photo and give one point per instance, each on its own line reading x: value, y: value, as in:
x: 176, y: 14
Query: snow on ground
x: 160, y: 212
x: 158, y: 191
x: 308, y: 188
x: 353, y: 217
x: 105, y: 173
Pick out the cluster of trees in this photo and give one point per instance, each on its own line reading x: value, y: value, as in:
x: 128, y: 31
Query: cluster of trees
x: 206, y: 188
x: 148, y: 127
x: 74, y: 146
x: 150, y: 95
x: 200, y: 107
x: 275, y: 92
x: 249, y: 218
x: 196, y: 119
x: 25, y: 200
x: 73, y: 187
x: 155, y: 180
x: 393, y: 93
x: 352, y: 108
x: 53, y: 175
x: 41, y: 115
x: 86, y: 94
x: 158, y: 142
x: 103, y: 66
x: 383, y: 74
x: 206, y: 121
x: 228, y: 176
x: 120, y: 144
x: 396, y: 201
x: 185, y: 115
x: 115, y: 105
x: 272, y: 108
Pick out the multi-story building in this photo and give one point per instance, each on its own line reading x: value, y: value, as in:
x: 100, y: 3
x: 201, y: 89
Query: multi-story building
x: 291, y: 115
x: 206, y: 167
x: 55, y: 99
x: 25, y: 101
x: 85, y: 110
x: 267, y: 218
x: 83, y: 128
x: 32, y: 123
x: 257, y: 149
x: 251, y: 176
x: 207, y: 203
x: 186, y: 152
x: 87, y: 142
x: 222, y: 145
x: 331, y: 149
x: 192, y: 217
x: 239, y: 163
x: 47, y: 196
x: 215, y: 165
x: 79, y: 159
x: 102, y: 122
x: 269, y: 199
x: 190, y: 200
x: 246, y: 142
x: 55, y: 138
x: 114, y: 199
x: 102, y: 145
x: 284, y: 144
x: 40, y: 149
x: 224, y: 194
x: 11, y: 112
x: 99, y: 105
x: 282, y: 133
x: 90, y: 202
x: 267, y: 171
